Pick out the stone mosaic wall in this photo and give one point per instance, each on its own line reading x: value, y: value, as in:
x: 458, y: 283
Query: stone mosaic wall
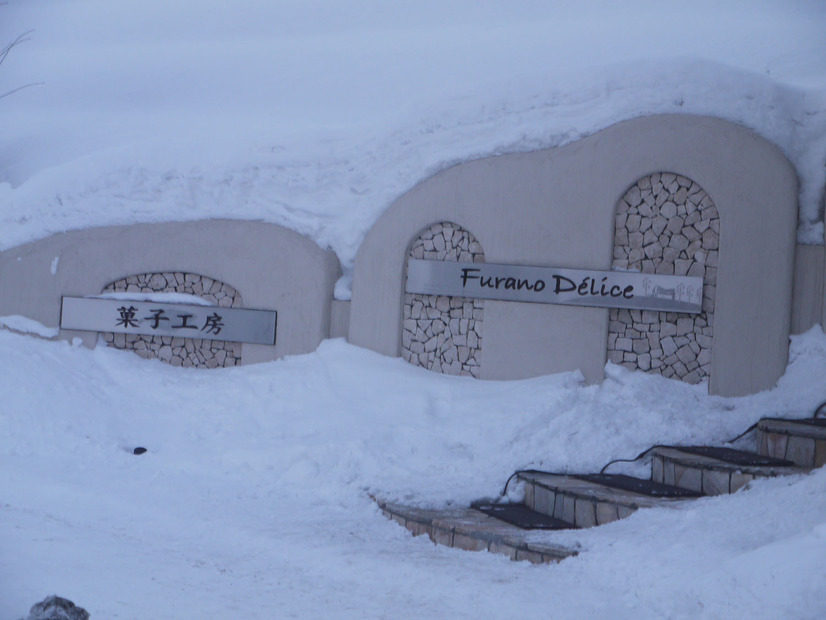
x: 443, y: 333
x: 185, y: 352
x: 666, y: 224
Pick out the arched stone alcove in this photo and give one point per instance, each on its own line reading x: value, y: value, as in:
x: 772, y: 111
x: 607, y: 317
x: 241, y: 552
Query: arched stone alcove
x: 187, y: 352
x: 666, y: 224
x: 444, y: 333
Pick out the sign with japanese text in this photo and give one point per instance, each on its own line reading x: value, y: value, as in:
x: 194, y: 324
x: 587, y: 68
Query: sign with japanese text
x: 151, y: 318
x: 607, y: 289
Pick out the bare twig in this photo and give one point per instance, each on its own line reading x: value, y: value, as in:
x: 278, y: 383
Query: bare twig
x: 4, y: 52
x: 14, y: 90
x: 21, y: 39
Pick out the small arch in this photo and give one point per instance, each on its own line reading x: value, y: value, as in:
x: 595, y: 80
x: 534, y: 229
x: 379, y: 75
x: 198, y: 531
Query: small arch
x: 439, y: 332
x: 187, y: 352
x: 666, y: 224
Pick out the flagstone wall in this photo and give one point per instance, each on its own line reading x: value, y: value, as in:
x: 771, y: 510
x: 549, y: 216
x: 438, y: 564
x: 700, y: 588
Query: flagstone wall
x: 666, y: 224
x: 186, y: 352
x: 444, y: 333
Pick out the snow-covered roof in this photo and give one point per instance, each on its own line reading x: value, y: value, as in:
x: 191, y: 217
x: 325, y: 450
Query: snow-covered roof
x: 317, y: 114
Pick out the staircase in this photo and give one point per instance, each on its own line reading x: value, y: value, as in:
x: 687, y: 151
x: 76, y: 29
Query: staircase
x: 573, y: 501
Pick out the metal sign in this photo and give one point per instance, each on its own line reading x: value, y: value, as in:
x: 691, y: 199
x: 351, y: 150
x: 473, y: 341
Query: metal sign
x: 547, y: 285
x: 149, y: 318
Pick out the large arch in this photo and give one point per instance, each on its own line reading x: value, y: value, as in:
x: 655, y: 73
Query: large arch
x: 666, y: 224
x: 556, y: 208
x: 443, y: 333
x: 186, y: 352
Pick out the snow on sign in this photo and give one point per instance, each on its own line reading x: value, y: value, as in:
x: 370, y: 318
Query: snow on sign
x: 607, y: 289
x: 168, y: 319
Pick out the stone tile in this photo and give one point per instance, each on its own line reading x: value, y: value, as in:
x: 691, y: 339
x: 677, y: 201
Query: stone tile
x: 543, y: 500
x: 716, y: 482
x: 529, y: 495
x: 442, y: 536
x: 625, y: 511
x: 468, y: 543
x: 615, y: 357
x: 668, y: 472
x: 641, y: 346
x: 657, y: 469
x: 685, y: 354
x: 584, y: 513
x: 776, y: 445
x: 624, y: 344
x: 559, y: 505
x: 606, y: 513
x: 820, y: 453
x: 534, y: 557
x: 688, y: 478
x: 693, y: 376
x: 419, y: 529
x: 502, y: 548
x: 801, y: 450
x: 644, y: 361
x: 739, y: 480
x: 649, y: 316
x: 762, y: 440
x: 568, y: 508
x: 668, y: 328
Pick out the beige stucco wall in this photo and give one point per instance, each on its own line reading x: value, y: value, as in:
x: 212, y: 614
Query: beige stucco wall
x: 807, y: 305
x: 556, y: 208
x: 273, y: 268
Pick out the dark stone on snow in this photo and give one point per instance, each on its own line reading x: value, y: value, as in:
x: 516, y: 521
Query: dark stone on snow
x: 56, y: 608
x: 139, y: 450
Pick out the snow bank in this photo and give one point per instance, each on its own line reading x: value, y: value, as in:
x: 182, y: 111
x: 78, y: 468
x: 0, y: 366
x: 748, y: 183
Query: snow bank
x: 163, y: 298
x: 317, y: 115
x: 254, y: 494
x: 25, y: 325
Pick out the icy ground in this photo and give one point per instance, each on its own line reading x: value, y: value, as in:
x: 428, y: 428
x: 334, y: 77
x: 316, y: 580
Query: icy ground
x: 317, y: 114
x: 253, y: 500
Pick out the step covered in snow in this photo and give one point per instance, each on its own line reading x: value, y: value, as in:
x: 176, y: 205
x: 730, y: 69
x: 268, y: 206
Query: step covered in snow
x: 801, y: 441
x: 471, y: 530
x: 713, y: 471
x: 596, y: 499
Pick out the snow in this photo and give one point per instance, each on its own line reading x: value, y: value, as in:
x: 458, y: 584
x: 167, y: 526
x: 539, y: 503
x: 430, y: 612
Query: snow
x: 317, y: 114
x: 254, y: 497
x: 161, y: 298
x: 25, y: 325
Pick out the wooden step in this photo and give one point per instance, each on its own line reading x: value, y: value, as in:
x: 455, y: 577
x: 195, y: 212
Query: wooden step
x: 471, y: 530
x: 713, y: 475
x: 584, y: 503
x: 800, y: 441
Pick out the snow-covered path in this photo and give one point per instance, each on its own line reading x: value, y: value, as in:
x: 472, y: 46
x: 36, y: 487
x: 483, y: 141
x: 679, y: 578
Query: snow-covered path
x: 253, y: 499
